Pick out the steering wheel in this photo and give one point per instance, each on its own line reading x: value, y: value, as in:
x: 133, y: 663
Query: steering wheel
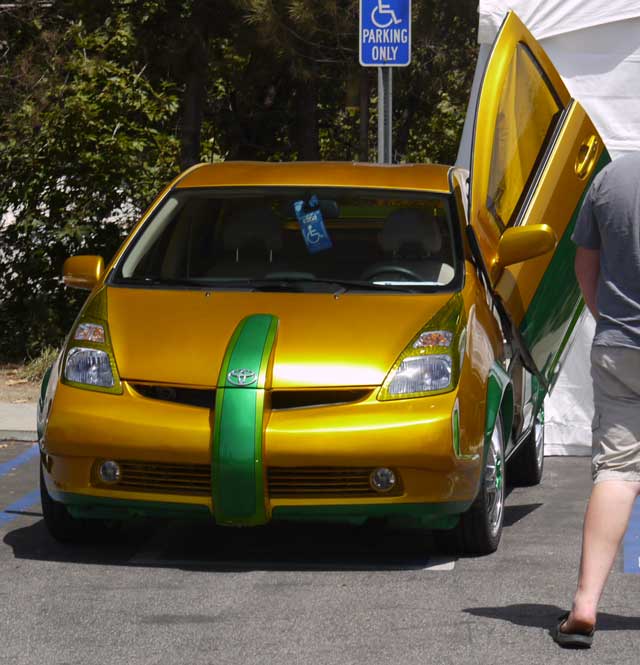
x: 400, y: 270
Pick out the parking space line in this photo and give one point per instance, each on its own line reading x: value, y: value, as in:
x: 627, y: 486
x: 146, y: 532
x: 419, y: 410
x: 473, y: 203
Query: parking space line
x: 151, y: 559
x: 441, y: 563
x: 14, y: 510
x: 631, y: 542
x: 24, y: 457
x: 241, y: 565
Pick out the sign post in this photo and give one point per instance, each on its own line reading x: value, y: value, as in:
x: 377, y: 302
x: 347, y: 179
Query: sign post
x: 385, y: 42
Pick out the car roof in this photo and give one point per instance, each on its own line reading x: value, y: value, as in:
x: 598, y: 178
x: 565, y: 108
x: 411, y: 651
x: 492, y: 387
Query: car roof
x: 421, y: 177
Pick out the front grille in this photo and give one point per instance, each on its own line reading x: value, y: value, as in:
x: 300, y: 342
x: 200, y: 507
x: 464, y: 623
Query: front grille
x: 322, y: 481
x: 163, y: 478
x: 203, y: 397
x: 280, y: 399
x: 297, y: 399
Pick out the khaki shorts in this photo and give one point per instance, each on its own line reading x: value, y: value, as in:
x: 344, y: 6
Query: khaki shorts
x: 615, y: 446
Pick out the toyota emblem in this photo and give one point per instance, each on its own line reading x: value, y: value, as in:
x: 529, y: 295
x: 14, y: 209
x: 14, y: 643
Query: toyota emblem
x: 242, y: 377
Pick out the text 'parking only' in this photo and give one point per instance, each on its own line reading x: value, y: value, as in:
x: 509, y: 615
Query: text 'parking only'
x: 385, y: 33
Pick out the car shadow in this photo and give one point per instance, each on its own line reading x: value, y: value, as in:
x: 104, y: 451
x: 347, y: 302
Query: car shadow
x: 513, y: 514
x: 198, y: 546
x: 533, y: 615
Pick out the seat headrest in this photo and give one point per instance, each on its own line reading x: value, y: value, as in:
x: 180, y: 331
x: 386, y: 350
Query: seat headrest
x: 253, y: 226
x: 410, y: 227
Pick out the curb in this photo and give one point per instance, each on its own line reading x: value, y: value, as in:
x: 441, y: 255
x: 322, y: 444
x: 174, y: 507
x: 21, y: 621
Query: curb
x: 18, y: 435
x: 18, y: 421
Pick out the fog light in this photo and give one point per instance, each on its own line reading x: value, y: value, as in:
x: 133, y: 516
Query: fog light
x: 109, y: 472
x: 382, y: 479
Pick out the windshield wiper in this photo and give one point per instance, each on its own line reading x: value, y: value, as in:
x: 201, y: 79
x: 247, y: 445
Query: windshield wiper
x: 266, y: 284
x: 345, y: 284
x: 165, y: 281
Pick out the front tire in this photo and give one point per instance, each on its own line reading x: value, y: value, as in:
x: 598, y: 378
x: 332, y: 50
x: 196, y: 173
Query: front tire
x: 480, y: 528
x: 61, y: 525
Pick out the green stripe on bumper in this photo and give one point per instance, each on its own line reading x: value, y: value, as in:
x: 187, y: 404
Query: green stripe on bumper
x: 433, y: 516
x: 237, y: 472
x: 92, y: 507
x: 429, y: 515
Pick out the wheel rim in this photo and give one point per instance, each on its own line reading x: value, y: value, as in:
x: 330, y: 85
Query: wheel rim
x: 538, y: 433
x: 494, y: 482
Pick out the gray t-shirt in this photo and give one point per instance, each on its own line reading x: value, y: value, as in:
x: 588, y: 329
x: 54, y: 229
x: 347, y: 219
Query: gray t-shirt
x: 610, y: 221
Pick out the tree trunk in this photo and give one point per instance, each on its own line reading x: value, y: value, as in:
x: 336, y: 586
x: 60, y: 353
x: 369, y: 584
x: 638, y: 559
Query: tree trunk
x: 402, y: 133
x: 365, y: 97
x: 308, y: 139
x: 196, y: 64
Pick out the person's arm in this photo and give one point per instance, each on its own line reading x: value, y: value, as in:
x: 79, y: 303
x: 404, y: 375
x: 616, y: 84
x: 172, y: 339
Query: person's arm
x: 587, y: 268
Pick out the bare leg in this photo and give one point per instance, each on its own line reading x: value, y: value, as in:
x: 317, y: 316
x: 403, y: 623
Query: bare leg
x: 605, y: 523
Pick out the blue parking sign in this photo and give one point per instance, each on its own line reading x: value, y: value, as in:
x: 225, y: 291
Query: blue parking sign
x: 385, y: 33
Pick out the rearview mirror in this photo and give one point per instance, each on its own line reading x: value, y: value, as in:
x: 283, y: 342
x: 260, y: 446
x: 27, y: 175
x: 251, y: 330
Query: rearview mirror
x: 525, y: 242
x: 82, y: 272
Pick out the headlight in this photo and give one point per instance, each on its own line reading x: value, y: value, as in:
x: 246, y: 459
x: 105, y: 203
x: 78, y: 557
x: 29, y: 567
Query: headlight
x: 90, y: 363
x: 89, y: 366
x: 421, y: 374
x: 432, y: 360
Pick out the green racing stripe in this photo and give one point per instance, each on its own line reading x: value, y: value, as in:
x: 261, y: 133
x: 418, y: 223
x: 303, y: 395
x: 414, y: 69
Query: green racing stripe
x: 237, y: 475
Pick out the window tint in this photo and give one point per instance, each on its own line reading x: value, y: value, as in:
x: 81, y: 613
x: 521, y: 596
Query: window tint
x: 527, y: 114
x: 218, y: 236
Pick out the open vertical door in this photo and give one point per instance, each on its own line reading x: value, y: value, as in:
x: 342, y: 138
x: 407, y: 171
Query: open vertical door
x: 534, y: 154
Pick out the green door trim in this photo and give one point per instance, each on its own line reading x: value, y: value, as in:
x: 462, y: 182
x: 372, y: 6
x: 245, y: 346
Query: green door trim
x: 557, y: 302
x: 499, y: 405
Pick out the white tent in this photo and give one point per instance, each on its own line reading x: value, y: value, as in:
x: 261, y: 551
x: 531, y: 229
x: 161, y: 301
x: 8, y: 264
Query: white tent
x: 595, y: 46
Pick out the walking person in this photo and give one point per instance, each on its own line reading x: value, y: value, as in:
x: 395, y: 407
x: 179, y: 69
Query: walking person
x: 607, y: 266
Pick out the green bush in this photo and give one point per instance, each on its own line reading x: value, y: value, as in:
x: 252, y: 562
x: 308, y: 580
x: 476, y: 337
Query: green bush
x: 80, y: 156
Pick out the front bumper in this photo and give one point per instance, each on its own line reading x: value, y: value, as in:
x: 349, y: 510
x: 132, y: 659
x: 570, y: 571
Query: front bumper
x: 413, y: 437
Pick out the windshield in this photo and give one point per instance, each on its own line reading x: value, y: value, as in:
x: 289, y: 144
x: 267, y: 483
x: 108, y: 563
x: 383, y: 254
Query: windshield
x: 295, y: 239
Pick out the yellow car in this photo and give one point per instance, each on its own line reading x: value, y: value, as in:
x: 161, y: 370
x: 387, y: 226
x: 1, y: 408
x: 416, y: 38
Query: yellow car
x: 331, y: 341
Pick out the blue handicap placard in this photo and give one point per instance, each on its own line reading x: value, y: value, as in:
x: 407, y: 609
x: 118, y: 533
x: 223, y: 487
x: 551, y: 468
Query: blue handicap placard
x: 312, y: 225
x: 385, y: 33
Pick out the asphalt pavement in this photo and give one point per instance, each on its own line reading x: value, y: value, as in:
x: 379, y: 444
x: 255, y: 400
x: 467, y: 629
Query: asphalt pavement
x: 169, y: 593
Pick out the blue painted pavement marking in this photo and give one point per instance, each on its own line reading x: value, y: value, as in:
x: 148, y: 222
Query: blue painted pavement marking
x: 27, y: 455
x: 13, y: 511
x: 631, y: 542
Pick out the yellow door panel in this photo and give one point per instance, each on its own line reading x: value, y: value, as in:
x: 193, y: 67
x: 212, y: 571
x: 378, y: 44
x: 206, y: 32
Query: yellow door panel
x: 527, y: 111
x: 553, y: 202
x: 534, y: 154
x: 520, y: 101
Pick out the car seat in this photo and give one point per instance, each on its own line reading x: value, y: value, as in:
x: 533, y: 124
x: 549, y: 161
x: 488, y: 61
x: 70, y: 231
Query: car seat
x: 412, y: 240
x: 251, y: 238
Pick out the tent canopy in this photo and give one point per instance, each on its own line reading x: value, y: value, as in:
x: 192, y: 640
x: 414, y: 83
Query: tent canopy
x: 595, y: 46
x: 548, y: 19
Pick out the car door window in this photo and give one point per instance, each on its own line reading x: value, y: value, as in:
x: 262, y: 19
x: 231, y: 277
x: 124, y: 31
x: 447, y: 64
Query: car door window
x: 527, y: 114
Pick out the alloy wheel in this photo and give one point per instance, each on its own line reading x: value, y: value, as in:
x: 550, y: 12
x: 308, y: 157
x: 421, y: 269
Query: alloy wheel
x: 494, y: 482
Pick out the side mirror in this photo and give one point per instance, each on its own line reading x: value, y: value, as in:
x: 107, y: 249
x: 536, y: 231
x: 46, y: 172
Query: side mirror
x: 82, y: 272
x: 525, y: 242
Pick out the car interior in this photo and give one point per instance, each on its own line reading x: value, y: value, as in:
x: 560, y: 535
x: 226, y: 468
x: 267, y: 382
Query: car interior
x: 380, y: 241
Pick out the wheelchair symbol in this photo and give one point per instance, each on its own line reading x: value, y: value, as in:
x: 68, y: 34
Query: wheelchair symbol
x: 312, y: 236
x: 384, y: 10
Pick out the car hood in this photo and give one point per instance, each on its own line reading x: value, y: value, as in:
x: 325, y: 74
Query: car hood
x: 180, y: 337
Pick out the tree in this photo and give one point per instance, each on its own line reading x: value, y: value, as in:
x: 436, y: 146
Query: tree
x: 85, y: 147
x: 103, y: 102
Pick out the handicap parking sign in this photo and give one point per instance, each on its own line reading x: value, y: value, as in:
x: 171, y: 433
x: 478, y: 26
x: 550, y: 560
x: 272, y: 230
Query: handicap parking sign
x: 385, y: 33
